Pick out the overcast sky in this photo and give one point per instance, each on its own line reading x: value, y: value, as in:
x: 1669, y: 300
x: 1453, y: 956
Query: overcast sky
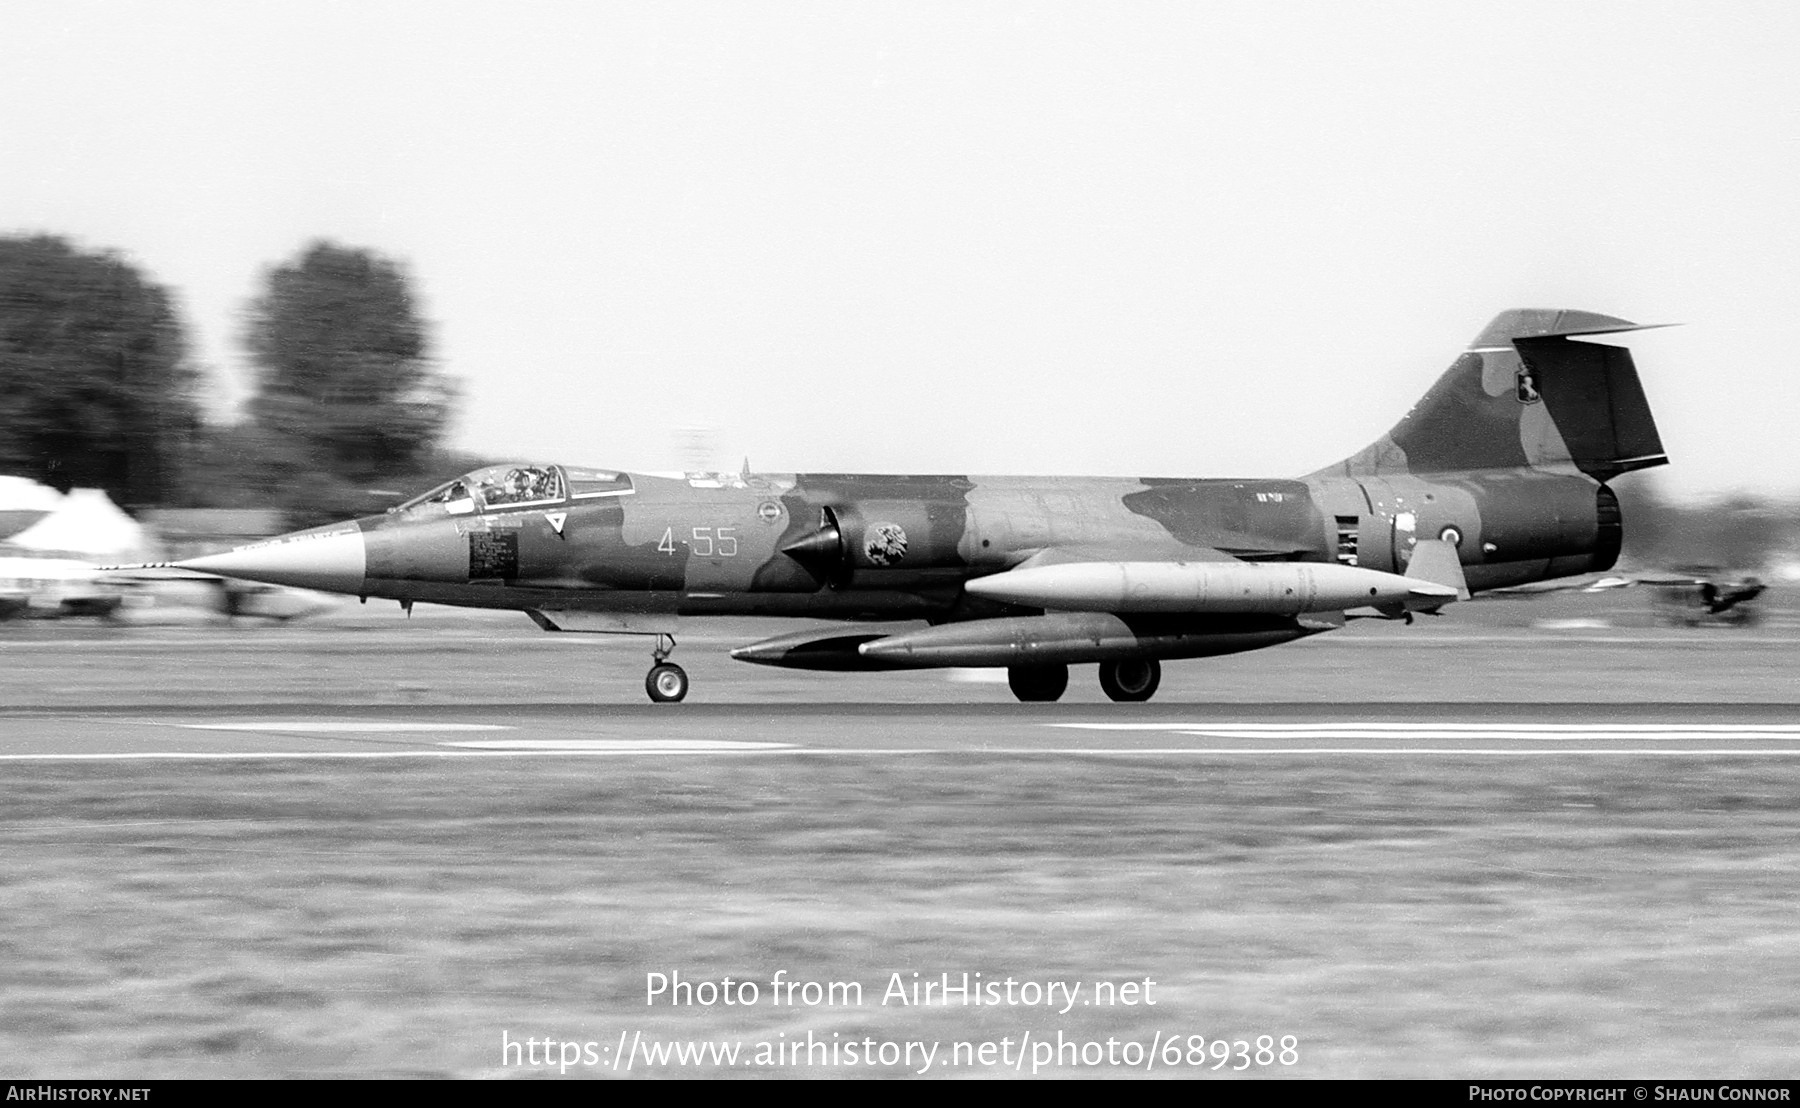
x: 1207, y: 239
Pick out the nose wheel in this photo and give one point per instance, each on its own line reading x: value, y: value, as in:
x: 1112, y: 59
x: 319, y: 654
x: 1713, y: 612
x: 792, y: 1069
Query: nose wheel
x: 666, y: 682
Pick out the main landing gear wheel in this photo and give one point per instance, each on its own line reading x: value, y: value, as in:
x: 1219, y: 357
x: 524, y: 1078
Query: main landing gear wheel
x: 1131, y: 681
x: 667, y: 683
x: 1038, y: 683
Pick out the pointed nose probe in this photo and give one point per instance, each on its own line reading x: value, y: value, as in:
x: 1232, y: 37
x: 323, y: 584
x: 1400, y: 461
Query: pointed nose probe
x: 334, y: 560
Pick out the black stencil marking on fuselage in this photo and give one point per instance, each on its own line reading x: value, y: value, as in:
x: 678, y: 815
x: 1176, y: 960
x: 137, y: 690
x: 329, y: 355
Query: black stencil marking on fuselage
x: 493, y: 554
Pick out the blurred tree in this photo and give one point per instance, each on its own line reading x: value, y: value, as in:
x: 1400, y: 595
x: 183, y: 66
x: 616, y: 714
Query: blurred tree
x: 96, y: 390
x: 1745, y: 531
x: 347, y: 397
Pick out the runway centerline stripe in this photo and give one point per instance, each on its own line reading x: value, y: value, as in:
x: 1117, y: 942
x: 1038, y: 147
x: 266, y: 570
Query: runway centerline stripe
x: 345, y: 727
x: 1520, y: 735
x: 1326, y: 729
x: 601, y: 746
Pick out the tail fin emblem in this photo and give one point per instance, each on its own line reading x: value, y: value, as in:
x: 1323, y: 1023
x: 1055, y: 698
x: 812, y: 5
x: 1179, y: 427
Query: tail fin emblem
x: 1527, y: 386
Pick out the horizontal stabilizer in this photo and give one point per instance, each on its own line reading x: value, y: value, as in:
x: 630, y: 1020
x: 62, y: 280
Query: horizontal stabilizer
x: 1554, y: 323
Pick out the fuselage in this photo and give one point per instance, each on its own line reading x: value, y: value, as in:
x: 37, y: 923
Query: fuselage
x: 896, y: 547
x: 1495, y: 478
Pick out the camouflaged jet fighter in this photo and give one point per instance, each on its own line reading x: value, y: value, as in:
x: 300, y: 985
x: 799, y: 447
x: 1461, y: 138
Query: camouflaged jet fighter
x: 1496, y: 478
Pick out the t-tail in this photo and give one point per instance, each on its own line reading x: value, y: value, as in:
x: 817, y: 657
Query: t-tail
x: 1506, y: 459
x: 1525, y: 396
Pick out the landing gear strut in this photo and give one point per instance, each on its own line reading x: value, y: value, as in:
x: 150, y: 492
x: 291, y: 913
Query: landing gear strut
x: 1037, y: 683
x: 1131, y: 681
x: 667, y: 682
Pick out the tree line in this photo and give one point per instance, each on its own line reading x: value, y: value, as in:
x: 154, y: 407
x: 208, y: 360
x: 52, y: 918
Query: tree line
x: 98, y: 390
x: 98, y: 387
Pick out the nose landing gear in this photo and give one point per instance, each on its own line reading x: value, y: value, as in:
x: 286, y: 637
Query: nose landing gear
x: 667, y: 682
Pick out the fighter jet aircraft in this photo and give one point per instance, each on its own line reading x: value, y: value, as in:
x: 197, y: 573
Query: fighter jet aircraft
x: 1497, y: 477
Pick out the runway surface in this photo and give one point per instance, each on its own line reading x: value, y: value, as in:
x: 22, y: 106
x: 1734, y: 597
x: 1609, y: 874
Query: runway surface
x: 1506, y: 846
x: 826, y: 730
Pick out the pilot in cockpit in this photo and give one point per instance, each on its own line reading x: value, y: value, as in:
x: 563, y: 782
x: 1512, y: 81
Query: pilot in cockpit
x: 519, y: 485
x: 450, y: 494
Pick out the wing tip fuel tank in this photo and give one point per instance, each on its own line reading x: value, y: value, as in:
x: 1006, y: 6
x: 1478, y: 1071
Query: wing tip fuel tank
x: 1269, y: 588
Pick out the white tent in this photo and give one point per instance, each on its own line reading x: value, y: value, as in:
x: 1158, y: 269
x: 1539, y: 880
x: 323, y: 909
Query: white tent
x: 23, y: 502
x: 86, y: 524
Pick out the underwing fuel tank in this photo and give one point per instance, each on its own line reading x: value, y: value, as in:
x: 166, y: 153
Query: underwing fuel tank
x: 1071, y: 638
x: 1223, y: 588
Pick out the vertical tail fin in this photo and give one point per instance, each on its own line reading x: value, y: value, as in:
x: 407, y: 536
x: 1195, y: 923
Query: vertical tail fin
x: 1525, y: 396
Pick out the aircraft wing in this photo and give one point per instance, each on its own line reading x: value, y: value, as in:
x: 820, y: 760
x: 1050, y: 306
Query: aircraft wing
x: 1219, y: 546
x: 1125, y: 552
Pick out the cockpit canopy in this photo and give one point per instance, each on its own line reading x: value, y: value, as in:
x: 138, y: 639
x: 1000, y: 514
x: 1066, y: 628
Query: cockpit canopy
x: 517, y: 485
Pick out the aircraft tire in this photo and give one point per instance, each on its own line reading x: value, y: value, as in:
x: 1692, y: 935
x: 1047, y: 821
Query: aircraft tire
x: 1132, y: 681
x: 1038, y: 684
x: 667, y: 683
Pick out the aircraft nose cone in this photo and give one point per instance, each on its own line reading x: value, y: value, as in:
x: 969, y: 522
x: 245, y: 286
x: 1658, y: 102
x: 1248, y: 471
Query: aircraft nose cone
x: 330, y: 559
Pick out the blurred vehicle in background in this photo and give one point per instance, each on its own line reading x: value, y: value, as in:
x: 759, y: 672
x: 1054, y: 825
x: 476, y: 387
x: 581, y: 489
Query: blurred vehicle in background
x: 49, y: 563
x: 1694, y: 596
x: 51, y: 587
x: 1687, y: 596
x: 179, y: 596
x: 47, y: 566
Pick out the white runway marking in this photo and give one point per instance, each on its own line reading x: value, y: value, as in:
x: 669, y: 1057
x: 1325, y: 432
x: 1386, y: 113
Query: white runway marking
x: 1540, y: 732
x: 343, y: 727
x: 1399, y: 725
x: 1402, y: 736
x: 310, y: 755
x: 618, y: 746
x: 1407, y: 751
